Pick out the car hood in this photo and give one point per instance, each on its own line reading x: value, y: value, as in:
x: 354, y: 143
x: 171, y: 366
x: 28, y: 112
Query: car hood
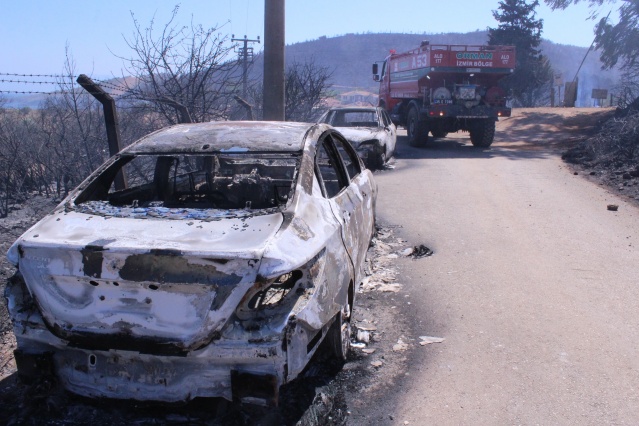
x: 141, y: 284
x: 357, y: 135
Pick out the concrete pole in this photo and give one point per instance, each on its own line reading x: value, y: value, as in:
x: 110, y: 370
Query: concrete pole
x: 274, y: 43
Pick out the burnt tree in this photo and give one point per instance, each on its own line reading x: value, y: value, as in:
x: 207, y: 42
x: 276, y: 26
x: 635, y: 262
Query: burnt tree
x: 182, y: 73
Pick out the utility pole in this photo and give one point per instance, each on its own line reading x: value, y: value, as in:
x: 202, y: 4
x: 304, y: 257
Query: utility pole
x: 246, y: 53
x: 274, y: 43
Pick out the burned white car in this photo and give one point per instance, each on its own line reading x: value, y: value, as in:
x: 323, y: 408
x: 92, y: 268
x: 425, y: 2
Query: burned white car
x: 227, y: 254
x: 369, y: 129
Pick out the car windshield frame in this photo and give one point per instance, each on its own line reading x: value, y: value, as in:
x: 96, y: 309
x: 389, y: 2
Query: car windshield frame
x: 177, y: 185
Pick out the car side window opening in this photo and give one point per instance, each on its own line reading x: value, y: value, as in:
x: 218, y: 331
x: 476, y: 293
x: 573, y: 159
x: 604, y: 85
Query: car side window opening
x: 349, y: 158
x: 333, y: 177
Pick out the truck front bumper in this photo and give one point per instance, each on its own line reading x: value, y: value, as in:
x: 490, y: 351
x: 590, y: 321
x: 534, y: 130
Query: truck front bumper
x: 461, y: 112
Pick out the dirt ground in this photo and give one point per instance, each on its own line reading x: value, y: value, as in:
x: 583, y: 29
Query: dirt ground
x: 570, y: 126
x: 326, y: 393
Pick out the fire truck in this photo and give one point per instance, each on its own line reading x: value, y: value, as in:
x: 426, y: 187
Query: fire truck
x: 446, y: 88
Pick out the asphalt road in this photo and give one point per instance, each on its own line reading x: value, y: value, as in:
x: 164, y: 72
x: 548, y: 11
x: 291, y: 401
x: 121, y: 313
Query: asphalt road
x: 534, y: 284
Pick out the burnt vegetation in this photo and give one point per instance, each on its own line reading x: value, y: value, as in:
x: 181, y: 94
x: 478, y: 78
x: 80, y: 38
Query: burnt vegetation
x: 614, y: 148
x: 177, y: 75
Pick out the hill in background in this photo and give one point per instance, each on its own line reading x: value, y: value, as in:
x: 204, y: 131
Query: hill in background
x: 350, y: 57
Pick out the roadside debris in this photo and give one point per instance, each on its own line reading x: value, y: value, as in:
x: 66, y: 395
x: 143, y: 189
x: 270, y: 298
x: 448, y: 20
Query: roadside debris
x: 363, y: 336
x: 366, y: 327
x: 400, y: 346
x: 394, y: 288
x: 426, y: 340
x: 376, y: 363
x: 613, y: 207
x: 421, y: 251
x: 380, y: 268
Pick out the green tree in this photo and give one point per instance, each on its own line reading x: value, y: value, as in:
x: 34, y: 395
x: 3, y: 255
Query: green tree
x: 616, y: 42
x: 518, y: 26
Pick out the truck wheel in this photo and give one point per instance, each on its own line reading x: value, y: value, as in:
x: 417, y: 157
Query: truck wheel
x: 417, y: 130
x: 482, y: 133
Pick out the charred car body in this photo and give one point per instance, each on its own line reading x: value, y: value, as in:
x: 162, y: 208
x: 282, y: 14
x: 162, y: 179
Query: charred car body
x: 235, y: 250
x: 369, y: 129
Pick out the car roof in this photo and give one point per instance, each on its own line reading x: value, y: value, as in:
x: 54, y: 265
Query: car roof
x: 224, y: 136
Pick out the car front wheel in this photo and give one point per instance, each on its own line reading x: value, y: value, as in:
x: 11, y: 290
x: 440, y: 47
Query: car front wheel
x: 338, y: 336
x: 379, y: 158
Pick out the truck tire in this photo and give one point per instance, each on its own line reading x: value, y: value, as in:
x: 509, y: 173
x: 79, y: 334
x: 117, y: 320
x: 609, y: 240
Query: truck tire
x: 482, y: 133
x: 417, y: 130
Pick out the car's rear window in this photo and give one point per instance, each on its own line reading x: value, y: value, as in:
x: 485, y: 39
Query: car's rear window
x: 158, y: 185
x: 352, y: 119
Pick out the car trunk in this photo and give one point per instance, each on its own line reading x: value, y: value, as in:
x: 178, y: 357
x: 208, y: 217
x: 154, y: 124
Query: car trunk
x: 153, y: 286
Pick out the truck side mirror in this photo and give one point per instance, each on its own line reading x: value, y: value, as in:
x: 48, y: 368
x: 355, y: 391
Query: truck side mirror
x: 375, y: 77
x: 375, y: 69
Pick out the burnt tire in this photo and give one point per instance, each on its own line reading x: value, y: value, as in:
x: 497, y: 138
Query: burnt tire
x: 378, y: 159
x: 417, y: 130
x: 482, y: 133
x: 337, y: 342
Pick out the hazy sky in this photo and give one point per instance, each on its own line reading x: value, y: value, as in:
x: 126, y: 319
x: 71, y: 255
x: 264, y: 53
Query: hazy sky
x: 34, y: 33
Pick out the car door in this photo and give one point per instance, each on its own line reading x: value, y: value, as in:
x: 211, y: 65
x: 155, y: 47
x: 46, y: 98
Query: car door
x: 351, y: 193
x: 391, y: 131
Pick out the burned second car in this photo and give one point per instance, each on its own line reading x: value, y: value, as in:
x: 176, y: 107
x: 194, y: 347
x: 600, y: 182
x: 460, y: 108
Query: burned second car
x: 369, y: 129
x: 204, y: 260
